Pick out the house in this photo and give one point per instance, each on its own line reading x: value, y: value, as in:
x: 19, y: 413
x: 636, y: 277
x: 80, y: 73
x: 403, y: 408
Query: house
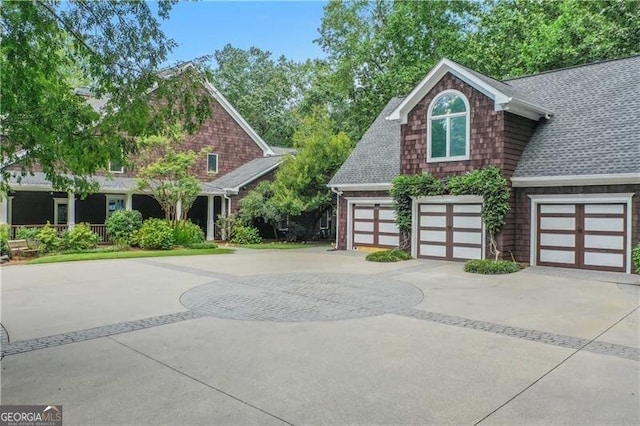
x: 238, y: 160
x: 567, y: 141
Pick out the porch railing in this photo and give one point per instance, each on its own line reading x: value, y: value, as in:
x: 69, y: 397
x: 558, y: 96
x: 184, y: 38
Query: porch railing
x: 98, y: 228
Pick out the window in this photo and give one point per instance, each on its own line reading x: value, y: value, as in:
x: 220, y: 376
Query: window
x: 114, y: 203
x: 324, y: 221
x: 212, y: 163
x: 60, y: 209
x: 116, y: 166
x: 448, y: 128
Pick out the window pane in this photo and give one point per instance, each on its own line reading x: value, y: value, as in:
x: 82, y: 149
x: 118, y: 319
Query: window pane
x: 458, y: 137
x: 449, y: 103
x: 114, y: 205
x: 438, y: 138
x: 212, y: 162
x: 115, y: 166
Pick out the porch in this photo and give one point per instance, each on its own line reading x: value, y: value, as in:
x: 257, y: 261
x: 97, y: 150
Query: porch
x: 33, y: 209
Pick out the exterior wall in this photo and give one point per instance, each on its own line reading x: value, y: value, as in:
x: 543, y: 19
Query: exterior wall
x: 523, y: 211
x: 342, y: 212
x: 496, y: 138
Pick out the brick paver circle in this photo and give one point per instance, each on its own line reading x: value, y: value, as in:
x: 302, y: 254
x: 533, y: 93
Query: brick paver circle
x: 301, y: 297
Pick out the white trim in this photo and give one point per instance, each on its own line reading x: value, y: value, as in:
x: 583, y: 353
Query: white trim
x: 501, y: 100
x: 448, y: 117
x: 208, y: 156
x: 360, y: 200
x: 576, y: 180
x: 116, y: 171
x: 619, y: 198
x: 266, y: 149
x: 362, y: 186
x: 450, y: 199
x: 443, y: 199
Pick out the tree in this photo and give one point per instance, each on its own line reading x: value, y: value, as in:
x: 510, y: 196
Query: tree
x: 518, y: 37
x: 258, y: 204
x: 300, y: 185
x: 164, y: 172
x: 116, y: 47
x: 264, y: 90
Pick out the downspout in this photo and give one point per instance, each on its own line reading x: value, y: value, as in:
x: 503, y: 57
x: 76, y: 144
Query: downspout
x: 338, y: 194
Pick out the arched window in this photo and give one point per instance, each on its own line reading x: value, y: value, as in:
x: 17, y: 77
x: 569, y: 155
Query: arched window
x: 448, y: 127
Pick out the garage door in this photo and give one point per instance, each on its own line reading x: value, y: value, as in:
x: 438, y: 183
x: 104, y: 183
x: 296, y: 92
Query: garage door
x: 374, y: 225
x: 588, y: 236
x: 450, y: 231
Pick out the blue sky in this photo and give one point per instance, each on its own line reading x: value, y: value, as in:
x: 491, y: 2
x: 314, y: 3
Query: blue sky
x: 281, y: 27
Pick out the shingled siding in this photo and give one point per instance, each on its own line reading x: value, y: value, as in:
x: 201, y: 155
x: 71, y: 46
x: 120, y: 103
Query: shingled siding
x: 496, y: 139
x: 523, y: 211
x: 342, y: 211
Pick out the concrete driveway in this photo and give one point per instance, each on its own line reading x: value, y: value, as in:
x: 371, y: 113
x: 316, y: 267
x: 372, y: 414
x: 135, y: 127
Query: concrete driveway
x: 315, y: 337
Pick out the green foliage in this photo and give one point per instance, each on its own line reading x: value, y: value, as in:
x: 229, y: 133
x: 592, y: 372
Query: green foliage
x: 491, y: 267
x: 393, y: 255
x: 122, y: 226
x: 245, y: 235
x: 4, y: 237
x: 80, y: 238
x: 300, y: 184
x: 225, y: 226
x: 204, y: 245
x: 258, y: 204
x: 488, y: 183
x: 187, y: 233
x: 636, y: 258
x: 29, y: 234
x: 156, y: 234
x: 166, y: 171
x: 49, y: 240
x: 115, y: 48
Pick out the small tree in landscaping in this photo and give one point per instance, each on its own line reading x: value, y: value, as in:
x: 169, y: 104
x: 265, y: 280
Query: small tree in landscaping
x: 258, y: 204
x: 164, y: 172
x: 122, y: 226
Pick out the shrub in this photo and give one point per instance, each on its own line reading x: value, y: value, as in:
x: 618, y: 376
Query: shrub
x: 48, y: 237
x: 29, y: 234
x: 80, y: 238
x: 393, y: 255
x: 187, y: 233
x: 4, y: 237
x: 156, y: 234
x: 122, y: 226
x: 636, y: 257
x: 245, y: 235
x: 490, y: 266
x: 204, y: 245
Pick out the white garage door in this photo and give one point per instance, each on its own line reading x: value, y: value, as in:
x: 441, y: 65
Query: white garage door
x: 374, y: 225
x: 587, y: 236
x: 450, y: 231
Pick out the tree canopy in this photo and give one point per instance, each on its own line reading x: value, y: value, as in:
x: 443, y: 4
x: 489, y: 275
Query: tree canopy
x: 114, y: 48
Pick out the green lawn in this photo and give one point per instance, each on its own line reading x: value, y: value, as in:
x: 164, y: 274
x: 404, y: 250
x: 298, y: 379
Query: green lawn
x: 127, y: 254
x: 282, y: 246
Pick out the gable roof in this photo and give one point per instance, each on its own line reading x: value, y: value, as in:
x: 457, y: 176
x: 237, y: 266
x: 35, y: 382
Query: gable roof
x: 596, y: 128
x: 505, y: 96
x: 247, y: 173
x: 376, y: 157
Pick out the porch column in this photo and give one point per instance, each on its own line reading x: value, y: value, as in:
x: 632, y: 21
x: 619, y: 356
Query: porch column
x: 210, y: 217
x: 71, y: 210
x: 4, y: 204
x: 179, y: 210
x: 223, y: 206
x: 128, y: 204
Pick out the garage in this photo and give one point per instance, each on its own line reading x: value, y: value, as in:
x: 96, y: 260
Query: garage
x: 448, y: 230
x: 374, y: 225
x: 582, y: 235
